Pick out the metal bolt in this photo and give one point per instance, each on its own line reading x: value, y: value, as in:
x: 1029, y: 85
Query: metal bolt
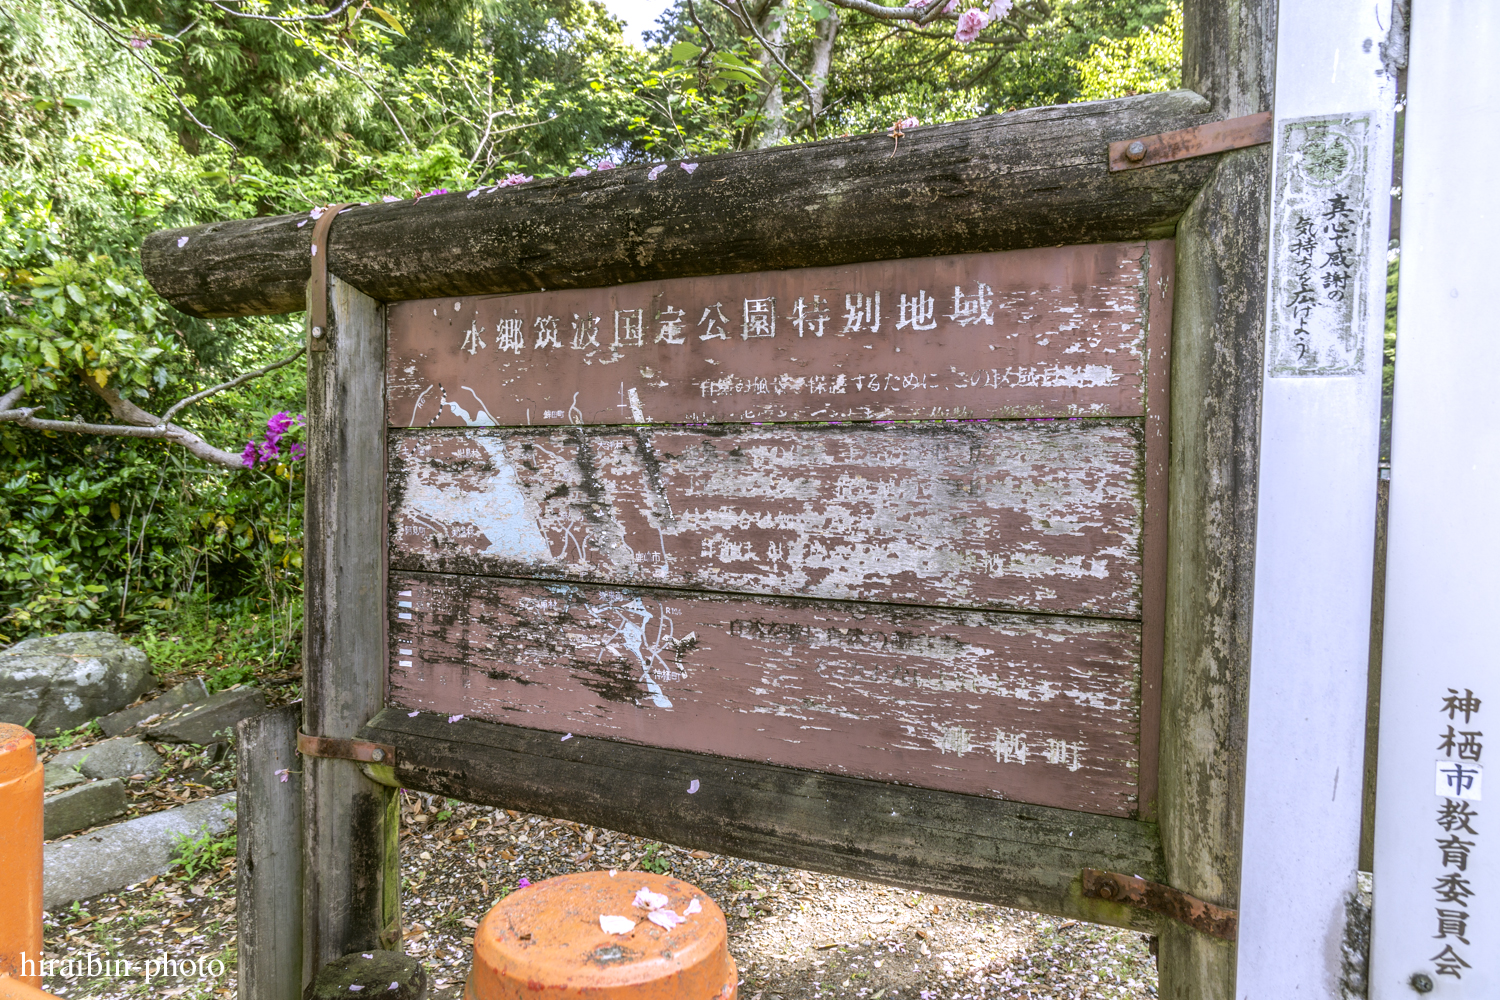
x: 377, y: 755
x: 317, y: 332
x: 1106, y: 890
x: 1136, y: 151
x: 1421, y: 982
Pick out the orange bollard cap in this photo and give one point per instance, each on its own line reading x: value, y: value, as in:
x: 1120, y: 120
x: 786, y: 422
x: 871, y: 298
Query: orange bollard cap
x: 17, y: 751
x: 547, y: 940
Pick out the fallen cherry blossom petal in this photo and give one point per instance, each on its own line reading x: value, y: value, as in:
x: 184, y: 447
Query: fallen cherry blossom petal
x: 655, y: 171
x: 611, y: 924
x: 394, y: 986
x: 355, y: 987
x: 693, y: 787
x: 413, y: 715
x: 182, y: 242
x: 566, y: 738
x: 455, y: 718
x: 665, y: 918
x: 475, y: 192
x: 581, y: 172
x: 648, y: 900
x: 604, y: 165
x: 693, y: 907
x: 317, y: 213
x: 366, y: 956
x: 389, y: 197
x: 689, y: 167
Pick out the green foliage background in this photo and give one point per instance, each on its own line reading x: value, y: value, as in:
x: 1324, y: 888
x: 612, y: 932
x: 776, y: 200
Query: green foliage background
x: 121, y: 117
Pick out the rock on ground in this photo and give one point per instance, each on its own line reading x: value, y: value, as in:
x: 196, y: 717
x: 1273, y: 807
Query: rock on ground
x: 56, y: 777
x: 210, y: 721
x: 59, y: 682
x: 82, y: 806
x: 386, y: 974
x: 189, y: 692
x: 117, y: 758
x: 128, y: 852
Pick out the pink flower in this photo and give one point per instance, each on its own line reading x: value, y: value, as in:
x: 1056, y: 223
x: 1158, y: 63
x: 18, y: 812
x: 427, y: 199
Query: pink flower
x: 284, y: 774
x: 951, y: 7
x: 604, y: 165
x: 139, y: 42
x: 581, y: 172
x: 648, y: 900
x: 999, y: 8
x: 908, y: 123
x: 665, y: 918
x: 970, y: 24
x: 514, y: 179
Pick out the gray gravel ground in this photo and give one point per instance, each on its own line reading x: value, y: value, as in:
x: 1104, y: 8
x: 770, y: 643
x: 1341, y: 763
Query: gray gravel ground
x: 795, y: 935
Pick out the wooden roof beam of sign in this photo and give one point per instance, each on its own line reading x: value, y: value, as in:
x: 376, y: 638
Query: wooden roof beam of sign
x: 974, y: 847
x: 1036, y: 177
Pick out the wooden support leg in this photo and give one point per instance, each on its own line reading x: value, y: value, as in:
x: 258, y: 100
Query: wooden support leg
x: 351, y: 874
x: 269, y: 875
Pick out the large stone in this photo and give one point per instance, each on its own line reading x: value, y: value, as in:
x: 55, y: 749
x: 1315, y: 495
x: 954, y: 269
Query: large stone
x: 59, y: 682
x: 189, y: 692
x: 56, y: 776
x: 210, y: 721
x: 82, y: 806
x: 388, y: 975
x: 117, y: 758
x: 129, y: 852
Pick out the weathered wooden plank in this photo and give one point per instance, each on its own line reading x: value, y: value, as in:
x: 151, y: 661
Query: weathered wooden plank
x: 1050, y: 332
x: 351, y: 876
x: 1036, y: 177
x: 1038, y: 709
x: 976, y: 848
x: 1016, y: 515
x: 1216, y: 365
x: 268, y: 876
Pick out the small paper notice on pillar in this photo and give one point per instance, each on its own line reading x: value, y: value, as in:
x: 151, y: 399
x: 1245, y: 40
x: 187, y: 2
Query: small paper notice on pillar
x: 1459, y: 780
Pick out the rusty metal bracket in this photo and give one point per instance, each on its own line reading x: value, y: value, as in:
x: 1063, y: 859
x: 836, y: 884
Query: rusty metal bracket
x: 1169, y: 902
x: 341, y: 749
x: 317, y: 305
x: 1200, y: 140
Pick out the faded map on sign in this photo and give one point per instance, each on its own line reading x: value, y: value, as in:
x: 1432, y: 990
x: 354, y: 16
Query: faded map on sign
x: 1319, y: 256
x: 1051, y: 332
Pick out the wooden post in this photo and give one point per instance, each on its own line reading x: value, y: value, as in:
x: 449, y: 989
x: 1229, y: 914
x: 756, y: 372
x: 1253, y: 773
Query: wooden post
x: 269, y: 875
x: 1218, y: 334
x: 351, y: 876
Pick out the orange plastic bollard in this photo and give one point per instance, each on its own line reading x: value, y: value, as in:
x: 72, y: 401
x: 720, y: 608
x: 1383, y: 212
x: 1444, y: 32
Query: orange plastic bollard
x: 14, y: 989
x: 20, y: 856
x: 547, y: 939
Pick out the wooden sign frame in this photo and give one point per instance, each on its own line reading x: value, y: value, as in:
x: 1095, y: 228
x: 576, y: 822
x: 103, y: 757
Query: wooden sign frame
x: 1049, y: 168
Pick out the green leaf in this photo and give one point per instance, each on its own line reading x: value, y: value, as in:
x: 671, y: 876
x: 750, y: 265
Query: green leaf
x: 50, y: 353
x: 76, y: 294
x: 683, y: 51
x: 819, y: 11
x: 390, y: 19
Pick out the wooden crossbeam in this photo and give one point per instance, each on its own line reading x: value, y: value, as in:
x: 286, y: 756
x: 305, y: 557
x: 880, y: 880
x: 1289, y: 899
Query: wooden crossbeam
x: 1037, y: 177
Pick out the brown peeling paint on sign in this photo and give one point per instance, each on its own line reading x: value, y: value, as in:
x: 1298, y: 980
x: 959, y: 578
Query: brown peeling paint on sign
x: 1048, y: 332
x: 1025, y: 515
x: 1036, y: 708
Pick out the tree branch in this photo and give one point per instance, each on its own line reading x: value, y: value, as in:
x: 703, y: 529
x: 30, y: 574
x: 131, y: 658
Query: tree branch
x: 283, y: 20
x: 145, y: 425
x: 232, y: 383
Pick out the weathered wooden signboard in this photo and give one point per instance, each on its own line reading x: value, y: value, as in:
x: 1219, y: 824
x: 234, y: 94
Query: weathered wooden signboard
x: 824, y: 525
x: 885, y: 520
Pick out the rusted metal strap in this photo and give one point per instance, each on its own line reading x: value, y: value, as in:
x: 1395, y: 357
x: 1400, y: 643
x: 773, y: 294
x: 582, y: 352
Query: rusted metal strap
x: 317, y: 303
x: 341, y: 749
x: 1169, y: 902
x: 1200, y: 140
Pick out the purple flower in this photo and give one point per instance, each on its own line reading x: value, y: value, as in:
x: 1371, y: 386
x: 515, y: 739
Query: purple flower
x: 515, y: 179
x: 247, y: 457
x: 522, y: 882
x: 970, y: 24
x: 280, y: 423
